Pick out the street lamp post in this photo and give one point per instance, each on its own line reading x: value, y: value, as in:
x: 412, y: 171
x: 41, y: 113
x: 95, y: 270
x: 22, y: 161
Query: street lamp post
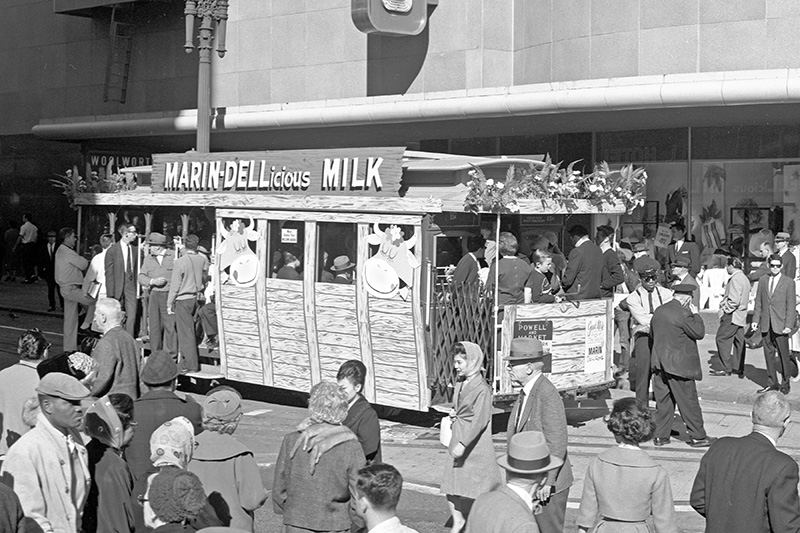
x: 208, y: 11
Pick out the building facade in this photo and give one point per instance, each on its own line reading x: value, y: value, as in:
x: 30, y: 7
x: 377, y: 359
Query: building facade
x: 703, y: 93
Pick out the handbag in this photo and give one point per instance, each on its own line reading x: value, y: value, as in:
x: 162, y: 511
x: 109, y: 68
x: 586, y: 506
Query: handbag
x: 446, y: 431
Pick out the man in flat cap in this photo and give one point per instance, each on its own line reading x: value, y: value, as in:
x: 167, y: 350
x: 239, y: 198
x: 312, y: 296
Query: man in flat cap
x: 539, y: 408
x: 48, y: 466
x: 642, y: 303
x: 775, y: 317
x: 679, y: 271
x: 158, y: 405
x: 789, y: 267
x: 528, y: 463
x: 676, y: 367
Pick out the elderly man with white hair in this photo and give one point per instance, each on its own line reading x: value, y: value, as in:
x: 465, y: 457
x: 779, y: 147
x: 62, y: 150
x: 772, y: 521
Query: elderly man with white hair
x: 746, y: 483
x: 116, y: 353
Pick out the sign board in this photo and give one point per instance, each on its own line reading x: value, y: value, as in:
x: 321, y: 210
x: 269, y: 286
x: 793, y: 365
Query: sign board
x: 107, y: 163
x: 335, y: 172
x: 288, y: 236
x: 595, y: 345
x: 390, y: 17
x: 663, y: 236
x: 538, y: 329
x: 450, y: 219
x: 542, y: 220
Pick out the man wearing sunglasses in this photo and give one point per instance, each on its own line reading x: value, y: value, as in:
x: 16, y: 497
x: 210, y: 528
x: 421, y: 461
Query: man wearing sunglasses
x: 647, y: 297
x: 775, y: 318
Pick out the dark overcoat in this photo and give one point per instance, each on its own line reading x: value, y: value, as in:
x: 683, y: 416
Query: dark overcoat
x: 676, y: 330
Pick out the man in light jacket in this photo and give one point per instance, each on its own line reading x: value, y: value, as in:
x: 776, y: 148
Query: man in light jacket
x: 48, y: 466
x: 732, y: 321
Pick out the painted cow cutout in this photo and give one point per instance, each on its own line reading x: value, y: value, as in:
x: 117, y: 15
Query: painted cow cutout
x: 235, y: 252
x: 394, y: 262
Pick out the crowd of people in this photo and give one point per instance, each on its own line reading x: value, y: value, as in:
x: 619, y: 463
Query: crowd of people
x: 94, y: 444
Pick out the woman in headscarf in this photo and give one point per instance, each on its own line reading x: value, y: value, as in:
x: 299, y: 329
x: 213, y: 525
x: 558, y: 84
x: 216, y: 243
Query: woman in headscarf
x: 171, y: 447
x: 174, y: 501
x: 109, y: 422
x: 472, y: 469
x: 317, y: 468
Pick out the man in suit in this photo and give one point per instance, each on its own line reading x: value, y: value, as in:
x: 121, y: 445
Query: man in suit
x: 789, y: 268
x: 680, y: 275
x: 642, y: 303
x: 611, y: 274
x: 584, y: 270
x: 775, y: 316
x: 158, y: 405
x: 121, y: 263
x: 680, y: 247
x: 540, y: 408
x: 676, y: 367
x: 47, y: 268
x: 765, y: 249
x: 512, y: 507
x: 746, y: 483
x: 732, y: 321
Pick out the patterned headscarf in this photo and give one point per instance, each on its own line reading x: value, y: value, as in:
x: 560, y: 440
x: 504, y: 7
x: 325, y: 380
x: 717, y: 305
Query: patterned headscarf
x: 172, y: 443
x: 474, y: 358
x: 103, y: 424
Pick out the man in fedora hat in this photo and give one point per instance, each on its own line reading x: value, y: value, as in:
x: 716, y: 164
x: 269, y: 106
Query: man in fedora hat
x: 155, y: 276
x: 513, y: 507
x: 159, y: 404
x: 789, y: 267
x: 540, y: 408
x: 343, y: 270
x: 680, y: 274
x: 676, y: 366
x: 48, y: 466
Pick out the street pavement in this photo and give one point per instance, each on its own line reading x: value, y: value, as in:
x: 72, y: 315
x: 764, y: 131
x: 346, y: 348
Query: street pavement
x: 410, y: 439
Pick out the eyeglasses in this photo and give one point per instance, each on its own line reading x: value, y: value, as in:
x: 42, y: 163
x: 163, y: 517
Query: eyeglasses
x: 650, y: 277
x: 775, y: 265
x: 141, y: 499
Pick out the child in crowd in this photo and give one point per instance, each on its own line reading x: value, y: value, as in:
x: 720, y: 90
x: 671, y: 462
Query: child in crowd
x: 361, y: 417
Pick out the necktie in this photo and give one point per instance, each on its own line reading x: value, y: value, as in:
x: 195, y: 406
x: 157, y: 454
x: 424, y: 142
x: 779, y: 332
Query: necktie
x: 650, y: 301
x: 75, y: 464
x: 50, y: 251
x: 521, y: 404
x: 128, y: 259
x: 771, y: 285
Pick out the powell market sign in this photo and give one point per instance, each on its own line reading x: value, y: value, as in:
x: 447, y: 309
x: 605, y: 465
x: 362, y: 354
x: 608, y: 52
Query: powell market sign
x: 356, y: 171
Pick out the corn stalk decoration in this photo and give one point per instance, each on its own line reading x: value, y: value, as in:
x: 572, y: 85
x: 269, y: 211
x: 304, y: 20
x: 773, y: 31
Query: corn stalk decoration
x: 551, y: 183
x: 72, y: 183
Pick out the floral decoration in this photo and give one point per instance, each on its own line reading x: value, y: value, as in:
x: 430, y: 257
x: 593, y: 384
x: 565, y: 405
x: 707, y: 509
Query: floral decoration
x: 551, y: 183
x: 72, y: 183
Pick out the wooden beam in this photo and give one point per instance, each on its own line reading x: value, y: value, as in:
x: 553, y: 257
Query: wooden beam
x: 419, y: 328
x: 362, y: 312
x: 214, y: 199
x: 309, y: 299
x: 320, y: 216
x: 261, y: 304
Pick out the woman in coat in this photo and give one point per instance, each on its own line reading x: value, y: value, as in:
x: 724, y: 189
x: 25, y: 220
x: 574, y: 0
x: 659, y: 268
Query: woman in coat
x: 623, y: 485
x: 109, y: 422
x: 317, y: 468
x: 472, y: 469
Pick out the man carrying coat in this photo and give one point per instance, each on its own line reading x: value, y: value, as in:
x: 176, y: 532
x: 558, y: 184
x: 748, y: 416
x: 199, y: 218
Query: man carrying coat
x: 775, y: 317
x: 540, y: 408
x: 676, y: 367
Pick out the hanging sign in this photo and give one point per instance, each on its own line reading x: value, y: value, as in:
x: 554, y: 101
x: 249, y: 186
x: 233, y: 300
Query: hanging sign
x: 345, y: 171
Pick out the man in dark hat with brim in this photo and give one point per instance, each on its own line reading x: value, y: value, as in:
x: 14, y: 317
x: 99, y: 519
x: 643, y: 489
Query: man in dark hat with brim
x: 539, y: 408
x: 158, y: 405
x: 782, y: 241
x: 676, y: 367
x: 511, y: 507
x: 155, y: 276
x: 642, y: 302
x: 679, y: 270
